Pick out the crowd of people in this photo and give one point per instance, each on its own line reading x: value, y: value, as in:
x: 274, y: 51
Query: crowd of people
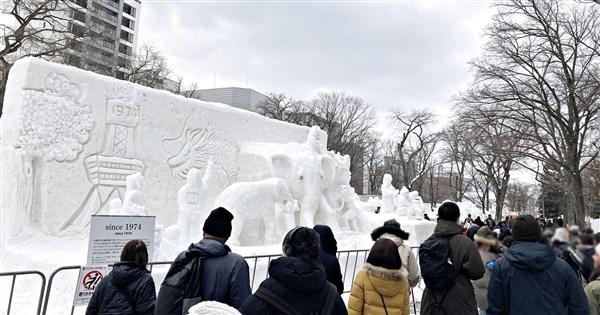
x: 521, y: 265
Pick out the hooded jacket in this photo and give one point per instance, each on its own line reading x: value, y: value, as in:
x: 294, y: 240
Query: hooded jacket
x: 409, y: 261
x: 226, y: 277
x: 529, y: 279
x: 460, y: 298
x: 374, y: 286
x: 300, y: 282
x: 328, y: 257
x: 127, y: 289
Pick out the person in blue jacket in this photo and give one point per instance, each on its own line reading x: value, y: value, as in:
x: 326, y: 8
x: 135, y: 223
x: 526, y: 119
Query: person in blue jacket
x: 530, y: 279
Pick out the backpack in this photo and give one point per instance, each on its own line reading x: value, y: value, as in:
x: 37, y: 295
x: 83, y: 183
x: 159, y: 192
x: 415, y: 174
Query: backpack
x: 283, y: 306
x: 182, y: 287
x: 435, y: 262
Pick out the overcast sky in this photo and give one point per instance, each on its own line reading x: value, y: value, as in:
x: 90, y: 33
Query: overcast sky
x: 407, y: 54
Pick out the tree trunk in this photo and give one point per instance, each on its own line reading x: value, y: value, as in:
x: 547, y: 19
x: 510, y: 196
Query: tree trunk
x: 578, y: 213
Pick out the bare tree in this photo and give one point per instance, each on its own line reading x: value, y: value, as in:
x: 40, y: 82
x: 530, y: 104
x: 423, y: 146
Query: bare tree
x: 281, y: 107
x: 414, y: 146
x: 457, y: 139
x: 540, y: 69
x: 148, y: 67
x: 373, y: 159
x: 347, y: 120
x: 35, y: 28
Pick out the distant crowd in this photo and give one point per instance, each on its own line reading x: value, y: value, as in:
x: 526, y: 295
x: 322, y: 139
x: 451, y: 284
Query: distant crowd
x: 518, y: 266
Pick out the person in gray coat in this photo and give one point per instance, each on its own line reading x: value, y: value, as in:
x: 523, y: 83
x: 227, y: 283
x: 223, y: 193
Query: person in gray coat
x: 225, y: 275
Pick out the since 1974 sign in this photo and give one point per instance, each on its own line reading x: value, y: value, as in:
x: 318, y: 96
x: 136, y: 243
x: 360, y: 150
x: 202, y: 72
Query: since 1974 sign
x: 110, y: 233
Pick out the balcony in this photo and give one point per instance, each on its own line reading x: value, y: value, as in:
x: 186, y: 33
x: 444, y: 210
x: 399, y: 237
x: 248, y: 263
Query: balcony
x: 81, y: 3
x: 111, y: 3
x: 103, y: 14
x: 103, y: 30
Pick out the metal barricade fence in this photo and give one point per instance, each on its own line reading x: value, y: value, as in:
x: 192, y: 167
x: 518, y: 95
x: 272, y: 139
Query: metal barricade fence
x: 14, y: 275
x: 351, y: 261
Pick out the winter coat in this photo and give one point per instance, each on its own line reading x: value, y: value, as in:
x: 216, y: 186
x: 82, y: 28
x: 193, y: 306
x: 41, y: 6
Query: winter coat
x: 127, y: 289
x: 375, y: 286
x: 587, y: 265
x: 468, y: 266
x: 481, y: 285
x: 529, y: 279
x: 592, y: 292
x: 409, y: 261
x: 332, y: 270
x: 561, y: 250
x: 226, y: 277
x: 328, y: 256
x: 300, y: 282
x: 479, y: 222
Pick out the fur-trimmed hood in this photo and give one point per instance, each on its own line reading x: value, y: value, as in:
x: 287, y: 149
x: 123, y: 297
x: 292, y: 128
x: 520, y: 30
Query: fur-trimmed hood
x: 385, y: 281
x: 399, y: 233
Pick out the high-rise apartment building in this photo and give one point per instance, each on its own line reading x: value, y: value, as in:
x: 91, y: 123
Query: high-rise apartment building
x: 111, y: 32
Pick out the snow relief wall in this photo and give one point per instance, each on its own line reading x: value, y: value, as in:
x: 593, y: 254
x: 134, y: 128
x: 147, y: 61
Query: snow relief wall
x: 71, y: 138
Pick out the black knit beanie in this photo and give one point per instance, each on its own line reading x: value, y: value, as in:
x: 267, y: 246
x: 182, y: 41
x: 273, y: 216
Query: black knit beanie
x: 218, y: 223
x: 526, y: 229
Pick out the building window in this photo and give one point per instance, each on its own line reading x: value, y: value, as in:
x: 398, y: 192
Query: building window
x: 128, y: 9
x: 108, y: 43
x: 127, y: 23
x: 120, y: 75
x: 78, y: 15
x: 81, y: 3
x: 124, y: 49
x: 127, y: 36
x: 76, y: 29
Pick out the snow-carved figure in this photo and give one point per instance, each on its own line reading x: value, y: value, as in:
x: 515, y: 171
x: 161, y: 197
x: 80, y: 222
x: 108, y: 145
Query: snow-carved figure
x: 189, y: 200
x: 417, y: 203
x: 404, y: 202
x: 389, y: 193
x: 133, y: 202
x: 267, y: 200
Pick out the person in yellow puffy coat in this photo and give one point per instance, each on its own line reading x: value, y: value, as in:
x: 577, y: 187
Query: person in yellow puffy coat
x: 381, y: 287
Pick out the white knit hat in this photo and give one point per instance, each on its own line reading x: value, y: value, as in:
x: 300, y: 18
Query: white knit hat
x: 212, y: 308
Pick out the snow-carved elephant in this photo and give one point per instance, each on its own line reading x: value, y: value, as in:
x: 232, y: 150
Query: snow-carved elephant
x: 267, y: 200
x: 301, y: 165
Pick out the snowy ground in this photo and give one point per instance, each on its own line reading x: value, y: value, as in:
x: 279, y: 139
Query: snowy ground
x: 33, y: 250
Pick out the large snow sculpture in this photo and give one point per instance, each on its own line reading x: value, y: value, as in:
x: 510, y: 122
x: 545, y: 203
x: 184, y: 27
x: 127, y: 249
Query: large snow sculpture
x: 389, y: 193
x: 268, y: 200
x: 71, y: 137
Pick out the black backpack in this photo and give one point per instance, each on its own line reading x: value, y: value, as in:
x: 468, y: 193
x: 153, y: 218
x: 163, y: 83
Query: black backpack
x: 436, y: 263
x: 182, y: 287
x: 286, y: 308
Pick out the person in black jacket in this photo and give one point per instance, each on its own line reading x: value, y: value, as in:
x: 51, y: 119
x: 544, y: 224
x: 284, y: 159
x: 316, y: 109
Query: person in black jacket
x: 328, y: 256
x: 530, y: 279
x: 128, y: 288
x: 297, y: 283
